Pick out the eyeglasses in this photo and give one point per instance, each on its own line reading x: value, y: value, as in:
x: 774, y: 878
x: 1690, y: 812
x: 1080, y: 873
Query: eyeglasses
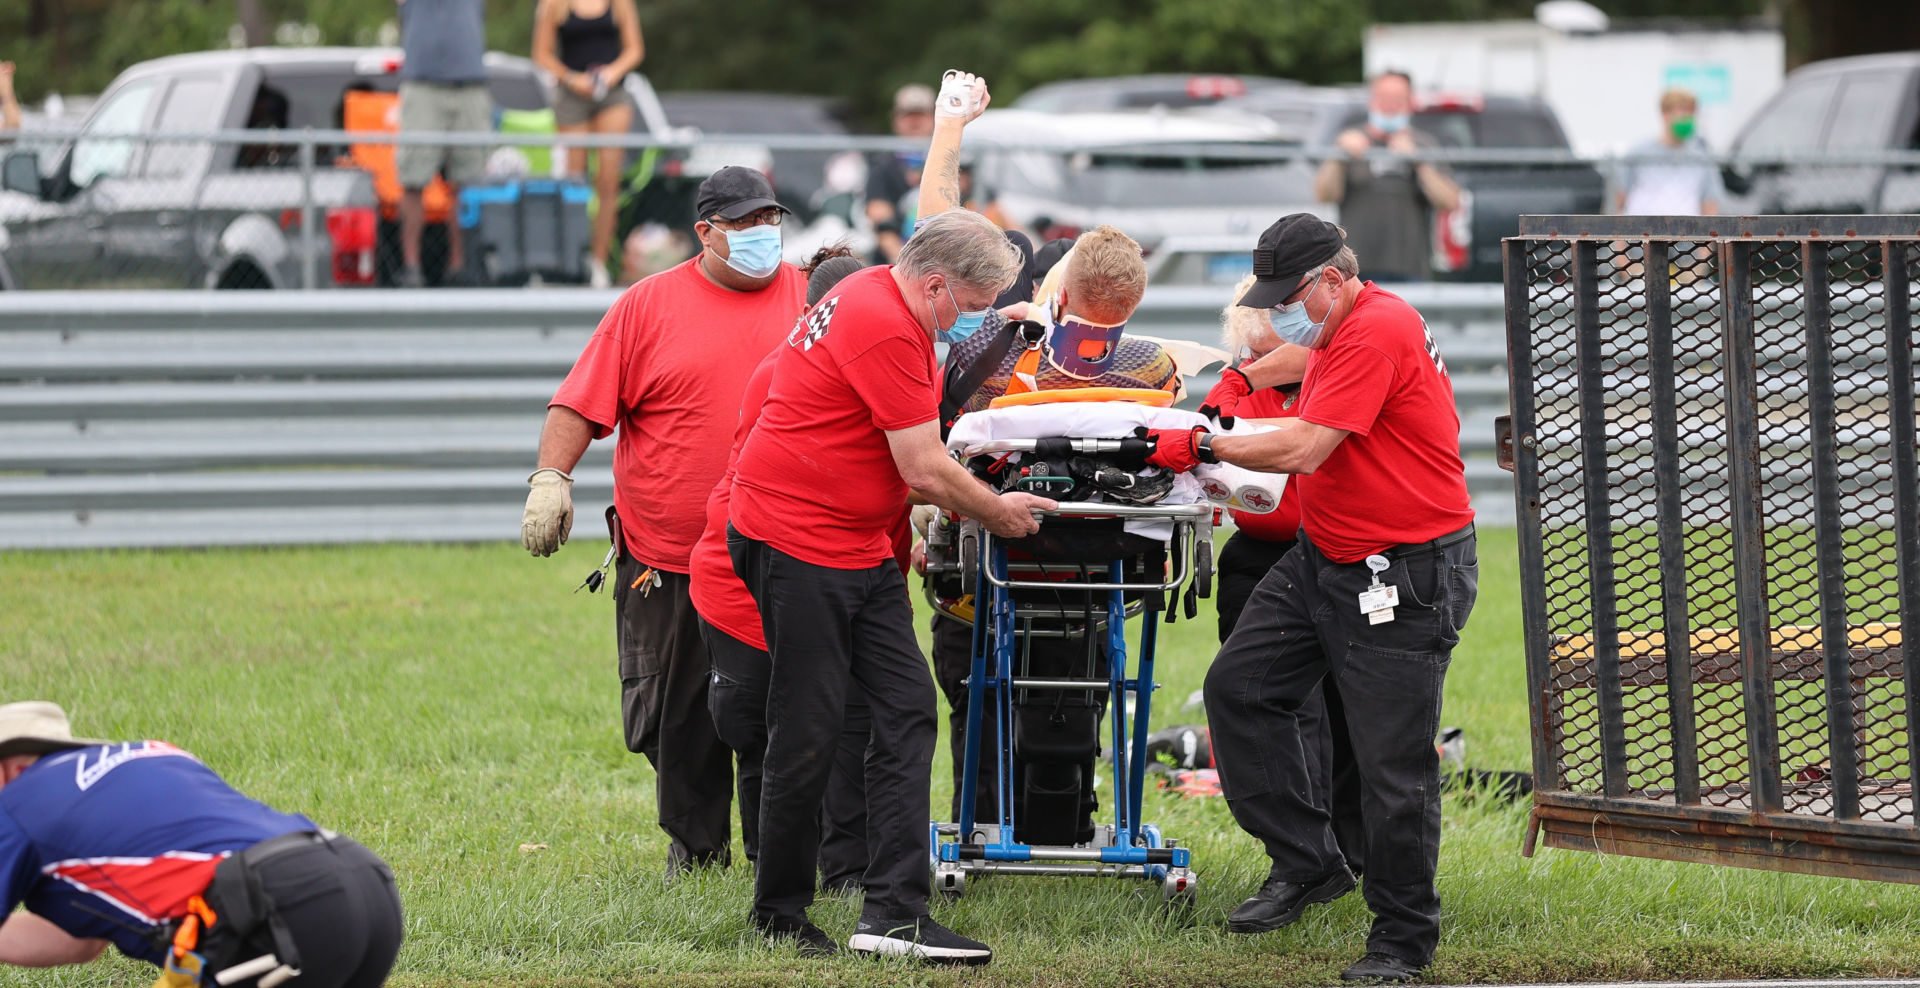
x: 1299, y: 294
x: 765, y: 217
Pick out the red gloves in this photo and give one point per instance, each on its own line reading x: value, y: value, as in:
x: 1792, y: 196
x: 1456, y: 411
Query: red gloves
x: 1221, y: 400
x: 1175, y: 449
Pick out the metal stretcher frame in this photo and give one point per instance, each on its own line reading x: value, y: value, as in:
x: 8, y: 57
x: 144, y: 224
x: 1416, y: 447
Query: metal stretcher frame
x: 1128, y: 847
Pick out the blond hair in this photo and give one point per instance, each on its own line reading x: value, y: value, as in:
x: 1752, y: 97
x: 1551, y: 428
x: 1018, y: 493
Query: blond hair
x: 1105, y: 276
x: 1239, y: 325
x: 1678, y: 99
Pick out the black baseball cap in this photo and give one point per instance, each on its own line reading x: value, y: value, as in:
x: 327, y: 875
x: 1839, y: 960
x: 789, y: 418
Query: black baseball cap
x: 734, y: 192
x: 1292, y: 246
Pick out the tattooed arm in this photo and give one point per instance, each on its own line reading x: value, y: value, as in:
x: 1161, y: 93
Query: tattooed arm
x: 962, y: 98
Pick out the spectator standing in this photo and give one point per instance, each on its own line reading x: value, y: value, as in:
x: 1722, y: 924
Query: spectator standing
x: 890, y: 177
x: 666, y: 368
x: 9, y: 104
x: 1387, y: 205
x: 590, y: 46
x: 1673, y: 174
x: 443, y: 87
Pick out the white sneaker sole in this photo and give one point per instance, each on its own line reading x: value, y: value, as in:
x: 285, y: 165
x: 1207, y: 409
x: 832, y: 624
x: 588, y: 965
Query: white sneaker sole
x: 868, y: 943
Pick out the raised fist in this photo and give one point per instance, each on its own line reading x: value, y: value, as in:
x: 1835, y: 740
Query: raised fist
x: 962, y: 95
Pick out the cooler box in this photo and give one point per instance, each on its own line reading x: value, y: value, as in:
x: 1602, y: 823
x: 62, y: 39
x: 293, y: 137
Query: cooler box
x: 515, y: 230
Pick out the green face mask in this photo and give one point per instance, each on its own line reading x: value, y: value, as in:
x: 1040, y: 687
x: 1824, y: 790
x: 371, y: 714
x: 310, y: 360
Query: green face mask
x: 1681, y: 128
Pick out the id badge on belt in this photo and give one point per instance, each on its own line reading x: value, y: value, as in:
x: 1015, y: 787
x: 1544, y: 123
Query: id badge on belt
x: 1378, y: 600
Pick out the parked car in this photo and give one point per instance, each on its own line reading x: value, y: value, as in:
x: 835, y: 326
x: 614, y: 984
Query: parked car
x: 797, y: 175
x: 1495, y: 196
x: 1142, y: 92
x: 1153, y: 175
x: 1866, y: 103
x: 103, y: 210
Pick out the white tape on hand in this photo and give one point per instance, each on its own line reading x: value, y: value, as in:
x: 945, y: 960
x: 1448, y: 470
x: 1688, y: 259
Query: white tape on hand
x: 959, y: 94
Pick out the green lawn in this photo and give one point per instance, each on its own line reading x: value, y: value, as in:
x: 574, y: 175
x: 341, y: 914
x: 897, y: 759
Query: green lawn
x: 446, y: 705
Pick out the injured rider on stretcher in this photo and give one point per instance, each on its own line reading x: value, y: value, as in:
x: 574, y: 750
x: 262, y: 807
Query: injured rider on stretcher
x: 1070, y: 339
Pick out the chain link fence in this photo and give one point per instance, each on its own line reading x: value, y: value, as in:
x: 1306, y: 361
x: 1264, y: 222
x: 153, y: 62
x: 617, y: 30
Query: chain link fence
x: 314, y: 208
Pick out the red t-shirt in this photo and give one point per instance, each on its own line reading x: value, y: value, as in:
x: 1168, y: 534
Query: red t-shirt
x: 816, y: 479
x: 1398, y: 477
x: 666, y: 367
x: 718, y: 595
x: 1282, y: 524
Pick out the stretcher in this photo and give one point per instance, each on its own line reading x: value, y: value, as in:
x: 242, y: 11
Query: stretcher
x: 1050, y: 650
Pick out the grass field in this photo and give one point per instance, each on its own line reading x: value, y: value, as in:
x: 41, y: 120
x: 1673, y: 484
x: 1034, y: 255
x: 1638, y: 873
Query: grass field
x: 446, y: 705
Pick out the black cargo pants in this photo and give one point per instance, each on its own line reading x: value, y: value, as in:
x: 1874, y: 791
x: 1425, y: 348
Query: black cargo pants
x: 828, y: 630
x: 335, y: 900
x: 737, y: 698
x: 1244, y: 562
x: 1303, y: 624
x: 664, y: 671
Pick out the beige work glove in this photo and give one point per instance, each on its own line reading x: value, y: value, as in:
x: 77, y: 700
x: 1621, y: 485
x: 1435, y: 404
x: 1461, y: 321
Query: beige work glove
x: 549, y: 516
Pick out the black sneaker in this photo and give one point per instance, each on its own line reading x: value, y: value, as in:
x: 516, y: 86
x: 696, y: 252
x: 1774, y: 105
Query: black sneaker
x: 1380, y: 968
x: 811, y: 940
x: 922, y: 938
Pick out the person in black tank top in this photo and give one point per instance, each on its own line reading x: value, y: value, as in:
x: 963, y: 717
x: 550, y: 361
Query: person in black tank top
x: 590, y: 46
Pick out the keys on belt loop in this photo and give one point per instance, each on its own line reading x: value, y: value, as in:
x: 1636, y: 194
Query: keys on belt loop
x: 646, y: 581
x: 598, y: 578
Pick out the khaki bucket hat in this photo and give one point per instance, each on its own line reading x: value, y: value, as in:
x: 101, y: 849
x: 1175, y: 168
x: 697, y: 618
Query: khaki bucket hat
x: 36, y: 727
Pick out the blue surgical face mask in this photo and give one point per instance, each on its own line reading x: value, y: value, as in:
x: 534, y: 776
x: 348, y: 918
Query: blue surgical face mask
x: 967, y: 324
x: 1388, y: 123
x: 1291, y: 322
x: 754, y: 251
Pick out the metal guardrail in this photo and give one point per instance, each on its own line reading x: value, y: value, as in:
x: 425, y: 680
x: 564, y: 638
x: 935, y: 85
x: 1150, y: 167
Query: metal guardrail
x: 188, y: 418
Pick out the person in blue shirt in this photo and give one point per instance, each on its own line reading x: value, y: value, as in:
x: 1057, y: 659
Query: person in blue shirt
x: 139, y: 846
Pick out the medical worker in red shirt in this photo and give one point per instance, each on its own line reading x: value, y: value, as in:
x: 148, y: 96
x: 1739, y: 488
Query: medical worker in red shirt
x: 666, y: 368
x: 1259, y: 542
x: 1374, y: 594
x: 730, y: 624
x: 850, y: 426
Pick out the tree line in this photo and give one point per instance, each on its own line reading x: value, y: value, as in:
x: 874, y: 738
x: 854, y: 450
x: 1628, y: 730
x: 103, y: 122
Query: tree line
x: 857, y: 51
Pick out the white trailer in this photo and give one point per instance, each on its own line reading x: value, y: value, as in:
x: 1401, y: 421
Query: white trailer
x: 1603, y: 82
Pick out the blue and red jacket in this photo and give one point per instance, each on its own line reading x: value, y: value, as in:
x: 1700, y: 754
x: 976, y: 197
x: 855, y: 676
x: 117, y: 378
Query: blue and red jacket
x: 111, y: 842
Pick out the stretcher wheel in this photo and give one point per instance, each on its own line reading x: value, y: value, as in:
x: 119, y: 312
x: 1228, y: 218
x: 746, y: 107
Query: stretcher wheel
x: 1178, y: 887
x: 969, y: 560
x: 1203, y: 566
x: 950, y: 880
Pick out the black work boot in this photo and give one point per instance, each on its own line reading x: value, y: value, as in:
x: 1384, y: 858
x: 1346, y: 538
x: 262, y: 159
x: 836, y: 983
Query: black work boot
x: 1381, y: 968
x: 1280, y: 903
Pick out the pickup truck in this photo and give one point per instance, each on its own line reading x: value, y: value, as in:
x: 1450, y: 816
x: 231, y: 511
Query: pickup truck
x: 1866, y: 103
x: 100, y: 211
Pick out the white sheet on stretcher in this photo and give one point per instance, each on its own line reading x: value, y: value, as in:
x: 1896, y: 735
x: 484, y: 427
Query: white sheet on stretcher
x: 1223, y: 484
